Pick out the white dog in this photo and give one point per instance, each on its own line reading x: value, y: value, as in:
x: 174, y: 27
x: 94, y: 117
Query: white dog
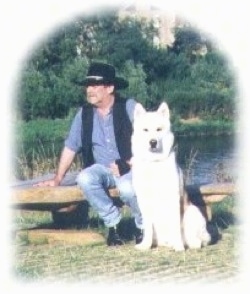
x: 158, y: 184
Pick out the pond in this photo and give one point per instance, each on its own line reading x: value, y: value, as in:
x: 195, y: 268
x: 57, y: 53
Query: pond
x: 208, y: 159
x: 204, y: 159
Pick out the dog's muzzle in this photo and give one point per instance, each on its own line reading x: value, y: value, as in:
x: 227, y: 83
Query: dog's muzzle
x: 153, y: 143
x: 155, y: 146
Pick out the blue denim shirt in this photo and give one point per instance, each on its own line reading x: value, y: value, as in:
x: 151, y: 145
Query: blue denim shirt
x: 104, y: 145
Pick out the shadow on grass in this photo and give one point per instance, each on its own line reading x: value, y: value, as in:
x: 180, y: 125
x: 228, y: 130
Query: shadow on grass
x: 224, y: 219
x: 82, y: 217
x: 221, y: 220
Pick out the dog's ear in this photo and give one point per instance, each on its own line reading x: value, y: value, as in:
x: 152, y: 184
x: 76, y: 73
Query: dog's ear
x: 163, y: 109
x: 139, y: 110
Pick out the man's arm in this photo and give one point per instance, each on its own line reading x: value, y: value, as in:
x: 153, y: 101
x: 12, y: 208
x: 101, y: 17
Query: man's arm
x: 66, y: 159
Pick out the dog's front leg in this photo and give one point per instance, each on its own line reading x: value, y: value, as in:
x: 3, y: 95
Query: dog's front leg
x: 176, y: 232
x: 178, y: 243
x: 147, y: 240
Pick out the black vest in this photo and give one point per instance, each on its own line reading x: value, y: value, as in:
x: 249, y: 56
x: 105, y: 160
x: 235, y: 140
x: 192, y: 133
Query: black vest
x: 122, y: 129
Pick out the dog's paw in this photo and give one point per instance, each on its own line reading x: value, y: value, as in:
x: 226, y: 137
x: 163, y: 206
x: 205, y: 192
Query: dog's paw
x: 163, y: 243
x: 143, y: 246
x: 179, y: 247
x: 195, y: 246
x: 194, y: 243
x: 206, y: 239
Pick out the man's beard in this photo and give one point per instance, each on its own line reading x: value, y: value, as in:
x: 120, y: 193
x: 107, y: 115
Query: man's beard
x: 93, y: 100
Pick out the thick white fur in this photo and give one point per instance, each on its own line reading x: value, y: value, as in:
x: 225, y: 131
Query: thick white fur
x: 157, y: 181
x: 195, y: 228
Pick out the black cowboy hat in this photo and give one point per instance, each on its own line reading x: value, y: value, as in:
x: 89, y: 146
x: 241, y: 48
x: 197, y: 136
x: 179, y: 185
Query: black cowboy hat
x: 103, y: 74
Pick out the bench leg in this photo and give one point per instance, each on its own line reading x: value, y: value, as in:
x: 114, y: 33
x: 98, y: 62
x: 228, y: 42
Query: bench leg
x: 209, y: 212
x: 75, y: 215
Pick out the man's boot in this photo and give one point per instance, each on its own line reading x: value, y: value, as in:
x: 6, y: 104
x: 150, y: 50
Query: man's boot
x: 113, y: 237
x: 138, y: 235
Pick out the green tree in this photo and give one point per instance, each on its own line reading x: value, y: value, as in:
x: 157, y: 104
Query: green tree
x: 136, y: 77
x: 189, y: 41
x: 34, y: 94
x: 192, y: 83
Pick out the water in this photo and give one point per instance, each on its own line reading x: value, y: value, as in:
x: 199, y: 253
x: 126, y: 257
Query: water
x: 204, y: 155
x: 212, y: 156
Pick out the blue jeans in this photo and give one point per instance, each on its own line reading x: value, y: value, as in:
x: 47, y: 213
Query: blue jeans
x: 95, y: 181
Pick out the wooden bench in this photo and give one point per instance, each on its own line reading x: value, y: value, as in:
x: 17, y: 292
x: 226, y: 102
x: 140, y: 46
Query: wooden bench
x: 63, y: 199
x: 69, y: 207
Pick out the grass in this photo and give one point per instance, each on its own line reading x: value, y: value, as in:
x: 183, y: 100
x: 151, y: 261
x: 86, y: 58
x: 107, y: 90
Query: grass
x: 97, y: 263
x: 43, y: 130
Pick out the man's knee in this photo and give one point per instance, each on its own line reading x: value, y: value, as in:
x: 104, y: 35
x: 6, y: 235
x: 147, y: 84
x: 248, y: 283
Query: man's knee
x: 85, y: 178
x: 95, y: 175
x: 126, y: 189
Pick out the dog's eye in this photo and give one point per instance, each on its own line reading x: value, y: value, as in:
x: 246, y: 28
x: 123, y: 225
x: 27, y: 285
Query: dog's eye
x: 159, y: 129
x: 145, y: 130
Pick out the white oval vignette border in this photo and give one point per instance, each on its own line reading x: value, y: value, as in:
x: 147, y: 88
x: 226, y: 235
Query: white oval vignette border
x: 23, y: 23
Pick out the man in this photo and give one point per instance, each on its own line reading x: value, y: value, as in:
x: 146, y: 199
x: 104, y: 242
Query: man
x: 102, y: 129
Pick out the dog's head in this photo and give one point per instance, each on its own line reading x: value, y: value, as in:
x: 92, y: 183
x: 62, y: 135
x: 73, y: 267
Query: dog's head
x: 152, y: 131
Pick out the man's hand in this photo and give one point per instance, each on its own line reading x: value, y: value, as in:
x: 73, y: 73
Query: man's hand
x: 114, y: 169
x: 67, y: 157
x: 49, y: 183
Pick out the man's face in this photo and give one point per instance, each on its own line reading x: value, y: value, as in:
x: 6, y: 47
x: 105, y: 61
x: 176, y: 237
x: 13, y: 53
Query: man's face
x: 96, y: 94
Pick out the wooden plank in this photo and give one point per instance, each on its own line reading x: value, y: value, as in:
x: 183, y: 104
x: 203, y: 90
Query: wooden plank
x: 218, y: 189
x: 213, y: 198
x: 59, y: 194
x: 54, y: 198
x: 49, y: 198
x: 205, y: 194
x: 52, y: 236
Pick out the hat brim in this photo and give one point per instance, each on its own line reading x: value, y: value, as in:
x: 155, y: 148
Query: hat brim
x: 118, y: 82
